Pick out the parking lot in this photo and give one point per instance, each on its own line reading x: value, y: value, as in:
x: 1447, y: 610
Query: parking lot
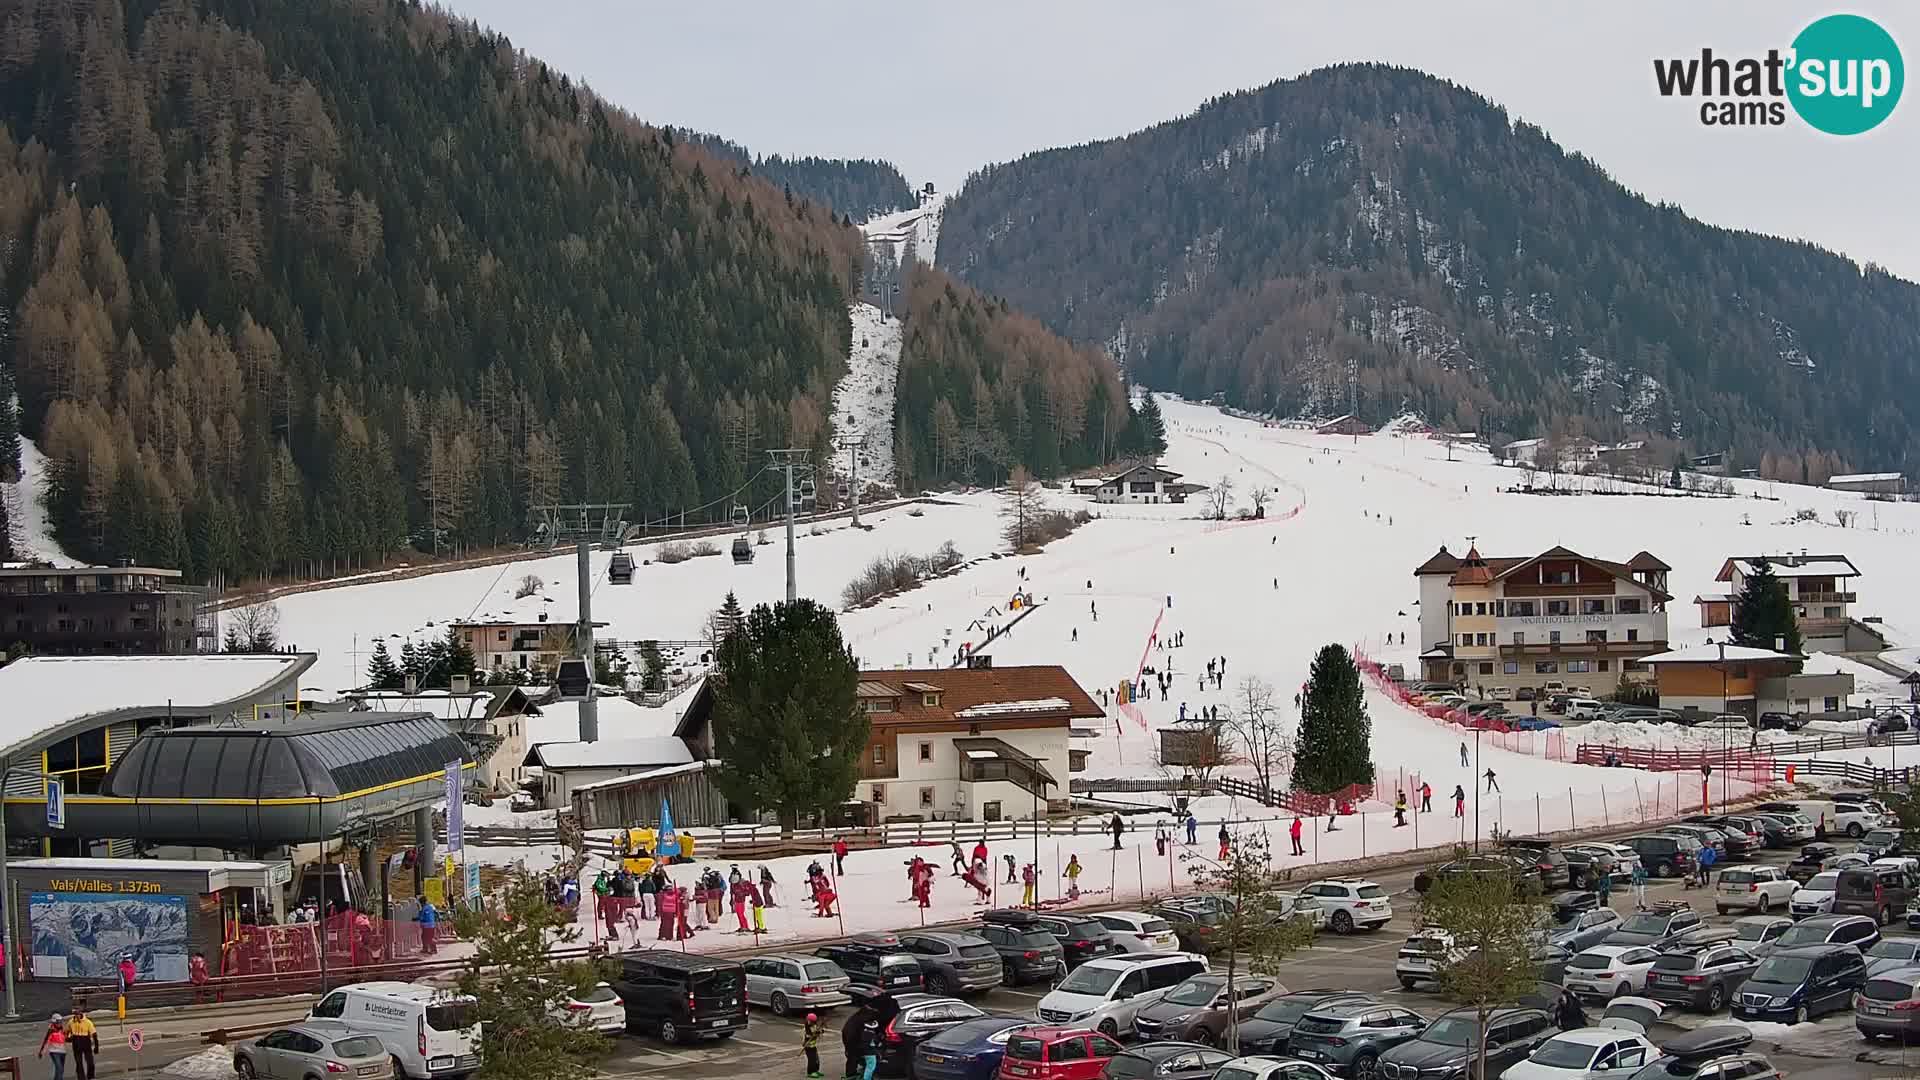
x: 1827, y: 1050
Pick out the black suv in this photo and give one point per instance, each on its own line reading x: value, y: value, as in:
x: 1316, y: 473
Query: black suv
x: 1447, y: 1043
x: 1665, y: 856
x: 1701, y: 977
x: 1813, y: 859
x: 894, y: 971
x: 1027, y: 953
x: 1081, y: 938
x: 1881, y: 843
x: 682, y: 996
x: 1794, y: 985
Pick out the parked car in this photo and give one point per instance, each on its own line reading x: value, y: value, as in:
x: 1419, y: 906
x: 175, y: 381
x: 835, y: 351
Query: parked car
x: 1888, y: 1006
x: 969, y: 1050
x: 1138, y: 931
x: 1166, y: 1061
x: 1796, y: 984
x: 312, y: 1048
x: 1518, y: 866
x: 1798, y: 828
x: 1609, y: 971
x: 1294, y: 905
x: 1757, y: 933
x: 1081, y: 938
x: 1027, y: 953
x: 1853, y: 819
x: 1813, y: 859
x: 1268, y: 1030
x: 1815, y: 897
x: 1855, y: 930
x: 1448, y: 1043
x: 892, y: 972
x: 1199, y: 1010
x: 1666, y: 920
x: 1352, y: 904
x: 954, y: 963
x: 1705, y: 834
x: 1891, y: 954
x: 1271, y: 1068
x: 920, y: 1017
x: 1581, y: 930
x: 598, y: 1007
x: 1624, y: 857
x: 1593, y: 1053
x: 1879, y: 892
x: 682, y: 996
x: 1192, y: 927
x: 1056, y: 1053
x: 1584, y: 708
x: 1351, y: 1038
x: 1422, y: 956
x: 1773, y: 832
x: 1105, y: 994
x: 1753, y: 888
x: 1888, y: 723
x: 1702, y: 977
x: 1665, y: 856
x: 789, y: 981
x: 1883, y: 842
x: 1719, y: 1052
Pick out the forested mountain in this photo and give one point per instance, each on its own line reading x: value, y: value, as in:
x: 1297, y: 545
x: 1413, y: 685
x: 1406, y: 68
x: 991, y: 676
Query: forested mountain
x: 859, y: 188
x: 294, y: 283
x: 983, y: 388
x: 1466, y: 265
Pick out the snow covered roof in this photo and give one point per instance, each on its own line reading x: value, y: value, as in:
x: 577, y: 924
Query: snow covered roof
x: 611, y: 753
x: 1708, y: 653
x: 43, y: 693
x: 1790, y: 565
x: 1864, y: 478
x: 645, y: 774
x: 619, y: 719
x: 1003, y: 708
x: 1522, y: 444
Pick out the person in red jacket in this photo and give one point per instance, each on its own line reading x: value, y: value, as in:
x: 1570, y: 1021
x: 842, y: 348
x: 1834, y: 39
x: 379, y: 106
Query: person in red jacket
x: 1294, y: 830
x: 839, y: 855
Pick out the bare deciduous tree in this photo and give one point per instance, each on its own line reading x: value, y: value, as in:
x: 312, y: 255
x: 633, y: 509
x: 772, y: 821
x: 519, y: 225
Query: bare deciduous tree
x: 253, y: 629
x: 1262, y: 731
x: 1260, y: 498
x: 1220, y: 498
x: 1020, y: 505
x: 1190, y: 753
x: 529, y: 584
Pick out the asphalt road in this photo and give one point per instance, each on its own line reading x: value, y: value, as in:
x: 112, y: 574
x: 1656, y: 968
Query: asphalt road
x: 770, y: 1047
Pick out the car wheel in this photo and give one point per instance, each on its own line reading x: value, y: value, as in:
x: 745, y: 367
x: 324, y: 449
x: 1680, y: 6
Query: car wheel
x: 1766, y: 903
x: 669, y: 1031
x: 1110, y: 1029
x: 1622, y: 990
x: 939, y: 983
x: 1342, y: 923
x: 1204, y: 1036
x: 1577, y: 881
x: 1716, y: 997
x: 1799, y: 1014
x: 1721, y: 910
x: 777, y: 1003
x: 398, y: 1072
x: 1366, y: 1067
x: 1855, y: 831
x: 1008, y: 976
x: 244, y: 1067
x: 1664, y: 870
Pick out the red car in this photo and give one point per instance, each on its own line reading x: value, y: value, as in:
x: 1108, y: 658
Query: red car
x: 1053, y: 1053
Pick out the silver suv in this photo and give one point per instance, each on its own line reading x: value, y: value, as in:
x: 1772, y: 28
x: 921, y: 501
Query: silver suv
x: 1349, y: 1039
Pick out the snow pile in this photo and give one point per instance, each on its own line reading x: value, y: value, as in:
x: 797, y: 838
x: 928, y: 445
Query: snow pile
x: 863, y: 401
x: 32, y: 532
x: 1003, y: 708
x: 213, y: 1063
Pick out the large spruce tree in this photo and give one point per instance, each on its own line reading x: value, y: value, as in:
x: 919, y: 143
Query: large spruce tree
x: 786, y: 726
x: 1763, y: 617
x: 1150, y: 436
x: 1335, y: 745
x: 382, y: 672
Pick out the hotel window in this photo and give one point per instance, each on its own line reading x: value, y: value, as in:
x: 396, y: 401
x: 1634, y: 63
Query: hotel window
x: 1633, y: 635
x: 1559, y: 607
x: 1522, y: 609
x: 1603, y: 665
x: 1486, y: 669
x: 1591, y: 606
x: 1459, y: 669
x: 1479, y: 639
x: 500, y: 634
x: 1596, y: 637
x: 1578, y: 667
x: 1558, y: 577
x: 1553, y: 637
x: 931, y: 701
x: 1499, y: 609
x: 880, y: 704
x: 926, y: 798
x: 1479, y: 609
x: 1519, y: 637
x: 1465, y: 609
x: 1627, y: 605
x: 878, y: 793
x: 1466, y: 639
x: 1546, y: 667
x: 879, y: 754
x: 1511, y: 667
x: 926, y: 751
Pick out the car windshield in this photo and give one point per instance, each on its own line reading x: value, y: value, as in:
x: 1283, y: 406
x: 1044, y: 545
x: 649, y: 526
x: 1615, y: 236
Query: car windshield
x: 1091, y: 980
x: 1783, y: 969
x: 1128, y: 1067
x: 1563, y: 1054
x: 824, y: 970
x: 450, y: 1016
x: 1195, y: 992
x: 1826, y: 882
x: 1450, y: 1031
x: 1235, y: 1072
x: 1036, y: 939
x: 1590, y: 962
x: 1891, y: 949
x: 1804, y: 934
x: 1025, y: 1048
x: 1088, y: 931
x: 359, y: 1046
x: 1752, y: 931
x: 598, y: 995
x: 1646, y: 924
x: 1674, y: 962
x: 1370, y: 892
x: 1283, y: 1010
x: 1155, y: 926
x: 1737, y: 877
x: 1881, y: 837
x: 1887, y: 990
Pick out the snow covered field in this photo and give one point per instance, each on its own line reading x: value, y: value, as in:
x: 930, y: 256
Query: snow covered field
x: 32, y: 533
x: 1347, y: 522
x: 863, y: 401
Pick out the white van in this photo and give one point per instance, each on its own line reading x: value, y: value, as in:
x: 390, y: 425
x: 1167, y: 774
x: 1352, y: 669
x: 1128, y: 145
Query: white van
x: 1103, y: 994
x: 430, y: 1033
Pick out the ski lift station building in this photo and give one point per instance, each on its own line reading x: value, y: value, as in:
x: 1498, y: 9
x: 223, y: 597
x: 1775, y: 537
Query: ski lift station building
x: 205, y: 751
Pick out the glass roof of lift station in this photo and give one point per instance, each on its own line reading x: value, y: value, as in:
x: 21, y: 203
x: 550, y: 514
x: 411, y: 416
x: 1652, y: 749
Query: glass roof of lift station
x: 322, y: 755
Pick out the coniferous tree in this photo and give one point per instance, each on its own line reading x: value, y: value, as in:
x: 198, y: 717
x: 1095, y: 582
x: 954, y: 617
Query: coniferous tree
x: 382, y: 672
x: 413, y: 662
x: 785, y: 722
x: 459, y: 656
x: 1335, y: 745
x: 1763, y: 616
x: 9, y: 418
x: 1153, y: 428
x: 653, y: 674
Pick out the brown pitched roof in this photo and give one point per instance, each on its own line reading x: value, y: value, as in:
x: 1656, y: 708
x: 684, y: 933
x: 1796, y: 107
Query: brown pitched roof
x: 1473, y: 570
x: 1442, y: 562
x: 1646, y: 560
x: 1499, y: 567
x: 985, y: 691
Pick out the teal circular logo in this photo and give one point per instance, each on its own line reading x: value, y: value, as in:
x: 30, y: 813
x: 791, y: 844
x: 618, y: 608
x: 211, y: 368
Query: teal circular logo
x: 1846, y: 76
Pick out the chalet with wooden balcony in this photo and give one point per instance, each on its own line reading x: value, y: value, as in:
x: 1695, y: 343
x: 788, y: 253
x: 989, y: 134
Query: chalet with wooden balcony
x: 1820, y: 587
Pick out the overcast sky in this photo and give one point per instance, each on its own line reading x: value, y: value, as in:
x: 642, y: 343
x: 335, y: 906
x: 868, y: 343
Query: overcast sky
x: 941, y: 89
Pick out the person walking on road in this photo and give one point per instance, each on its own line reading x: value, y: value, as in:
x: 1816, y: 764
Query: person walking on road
x: 53, y: 1046
x: 1294, y: 831
x: 1493, y: 782
x: 839, y: 856
x: 810, y: 1045
x: 1116, y: 826
x: 83, y: 1041
x: 429, y: 920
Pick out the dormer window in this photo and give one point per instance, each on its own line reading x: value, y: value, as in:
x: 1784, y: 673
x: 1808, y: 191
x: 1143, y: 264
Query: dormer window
x: 931, y: 701
x: 878, y: 704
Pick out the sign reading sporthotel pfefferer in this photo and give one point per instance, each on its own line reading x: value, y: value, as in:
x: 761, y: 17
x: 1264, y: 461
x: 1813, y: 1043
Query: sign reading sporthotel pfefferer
x: 106, y: 885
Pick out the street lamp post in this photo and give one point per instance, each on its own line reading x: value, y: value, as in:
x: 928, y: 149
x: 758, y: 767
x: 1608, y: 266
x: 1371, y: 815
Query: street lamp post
x: 1724, y: 751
